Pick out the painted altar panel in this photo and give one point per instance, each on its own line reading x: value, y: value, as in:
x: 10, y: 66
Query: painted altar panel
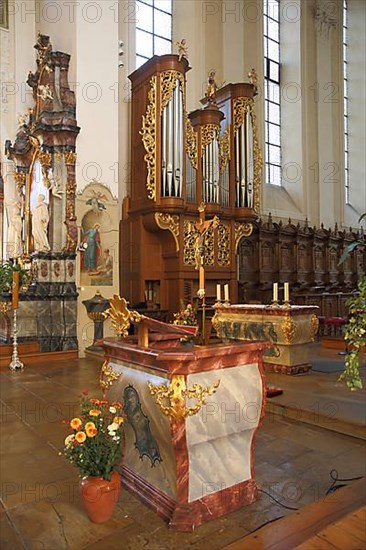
x: 219, y: 438
x: 149, y: 451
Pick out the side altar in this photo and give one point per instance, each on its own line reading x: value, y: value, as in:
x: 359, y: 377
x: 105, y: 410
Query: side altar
x: 192, y: 414
x: 289, y: 328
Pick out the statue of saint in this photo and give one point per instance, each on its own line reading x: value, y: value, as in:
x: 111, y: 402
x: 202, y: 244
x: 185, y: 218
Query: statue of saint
x: 15, y: 245
x: 40, y: 220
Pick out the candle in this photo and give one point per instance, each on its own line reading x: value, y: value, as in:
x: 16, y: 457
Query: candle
x: 275, y: 292
x: 218, y: 293
x: 286, y: 292
x: 226, y: 292
x: 202, y: 278
x: 15, y: 290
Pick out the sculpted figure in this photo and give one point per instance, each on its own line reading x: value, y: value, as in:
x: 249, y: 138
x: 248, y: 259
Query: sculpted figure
x: 40, y: 220
x: 15, y: 245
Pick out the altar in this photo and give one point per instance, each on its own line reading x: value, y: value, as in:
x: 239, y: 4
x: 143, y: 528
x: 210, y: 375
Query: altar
x: 192, y: 414
x: 289, y: 328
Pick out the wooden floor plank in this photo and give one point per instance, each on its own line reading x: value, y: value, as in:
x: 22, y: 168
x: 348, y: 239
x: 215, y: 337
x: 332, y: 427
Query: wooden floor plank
x: 340, y: 538
x: 355, y: 525
x: 294, y: 529
x: 316, y: 544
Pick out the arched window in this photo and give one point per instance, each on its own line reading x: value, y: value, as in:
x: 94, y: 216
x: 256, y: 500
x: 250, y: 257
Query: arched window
x: 345, y: 102
x: 272, y: 91
x: 153, y: 29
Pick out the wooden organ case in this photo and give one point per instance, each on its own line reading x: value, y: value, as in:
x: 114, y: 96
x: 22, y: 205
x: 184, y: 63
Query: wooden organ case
x: 180, y: 163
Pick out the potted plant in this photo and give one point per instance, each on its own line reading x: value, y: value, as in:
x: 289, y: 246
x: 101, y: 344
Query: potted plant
x: 355, y: 330
x: 94, y: 446
x: 6, y: 279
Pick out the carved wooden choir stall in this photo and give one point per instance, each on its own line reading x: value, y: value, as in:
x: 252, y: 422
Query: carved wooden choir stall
x: 191, y: 418
x: 43, y: 235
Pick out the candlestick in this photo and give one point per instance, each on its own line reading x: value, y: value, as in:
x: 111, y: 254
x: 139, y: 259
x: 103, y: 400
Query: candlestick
x: 218, y: 293
x: 15, y: 290
x: 226, y: 293
x: 202, y: 277
x: 15, y: 361
x: 275, y: 292
x: 286, y: 288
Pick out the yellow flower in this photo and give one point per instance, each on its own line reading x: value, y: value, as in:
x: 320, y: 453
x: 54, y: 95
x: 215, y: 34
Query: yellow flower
x: 117, y: 420
x: 75, y: 423
x: 80, y: 437
x: 95, y: 412
x: 90, y: 429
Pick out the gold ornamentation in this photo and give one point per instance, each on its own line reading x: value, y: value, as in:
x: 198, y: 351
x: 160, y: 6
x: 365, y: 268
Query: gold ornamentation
x: 209, y: 132
x: 107, y: 376
x: 189, y: 243
x: 20, y: 178
x: 148, y: 135
x: 191, y: 143
x: 169, y: 222
x: 168, y: 83
x: 121, y: 316
x: 224, y: 148
x: 314, y: 325
x: 70, y: 157
x: 176, y: 393
x: 4, y: 308
x: 242, y: 230
x: 290, y: 330
x: 209, y: 246
x: 242, y: 105
x: 45, y: 159
x: 223, y: 252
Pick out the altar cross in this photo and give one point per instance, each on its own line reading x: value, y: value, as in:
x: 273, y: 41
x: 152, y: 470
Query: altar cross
x: 201, y: 227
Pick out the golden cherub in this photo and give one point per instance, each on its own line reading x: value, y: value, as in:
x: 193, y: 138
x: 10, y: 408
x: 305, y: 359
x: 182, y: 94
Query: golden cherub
x: 211, y: 86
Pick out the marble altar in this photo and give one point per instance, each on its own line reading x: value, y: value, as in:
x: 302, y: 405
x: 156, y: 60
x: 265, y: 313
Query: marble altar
x: 288, y: 328
x: 191, y: 419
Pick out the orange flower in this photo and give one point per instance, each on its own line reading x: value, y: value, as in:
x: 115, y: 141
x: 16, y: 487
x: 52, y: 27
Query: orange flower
x: 80, y: 437
x: 75, y: 423
x: 118, y: 419
x: 90, y: 429
x: 95, y: 401
x: 117, y: 404
x: 103, y: 403
x: 95, y: 412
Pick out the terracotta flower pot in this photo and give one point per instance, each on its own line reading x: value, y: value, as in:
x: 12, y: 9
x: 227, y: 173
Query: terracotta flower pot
x: 100, y: 496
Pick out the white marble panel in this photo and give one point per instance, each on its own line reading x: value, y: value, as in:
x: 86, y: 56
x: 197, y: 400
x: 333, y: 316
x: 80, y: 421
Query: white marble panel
x: 220, y: 463
x: 235, y: 406
x: 219, y: 437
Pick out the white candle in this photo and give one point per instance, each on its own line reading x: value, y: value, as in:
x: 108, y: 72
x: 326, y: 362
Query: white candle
x: 275, y: 292
x: 226, y: 292
x: 218, y: 293
x: 286, y: 292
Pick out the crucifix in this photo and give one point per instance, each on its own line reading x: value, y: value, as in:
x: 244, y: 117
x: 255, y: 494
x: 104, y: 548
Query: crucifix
x: 201, y: 228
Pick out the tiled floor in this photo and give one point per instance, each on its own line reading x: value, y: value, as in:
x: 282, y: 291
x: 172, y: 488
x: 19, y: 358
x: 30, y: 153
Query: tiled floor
x: 40, y: 507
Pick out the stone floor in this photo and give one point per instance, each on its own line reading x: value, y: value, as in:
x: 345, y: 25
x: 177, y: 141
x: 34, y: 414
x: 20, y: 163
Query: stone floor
x: 40, y: 507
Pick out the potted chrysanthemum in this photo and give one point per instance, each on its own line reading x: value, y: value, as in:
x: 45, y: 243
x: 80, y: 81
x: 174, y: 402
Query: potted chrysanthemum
x: 94, y: 446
